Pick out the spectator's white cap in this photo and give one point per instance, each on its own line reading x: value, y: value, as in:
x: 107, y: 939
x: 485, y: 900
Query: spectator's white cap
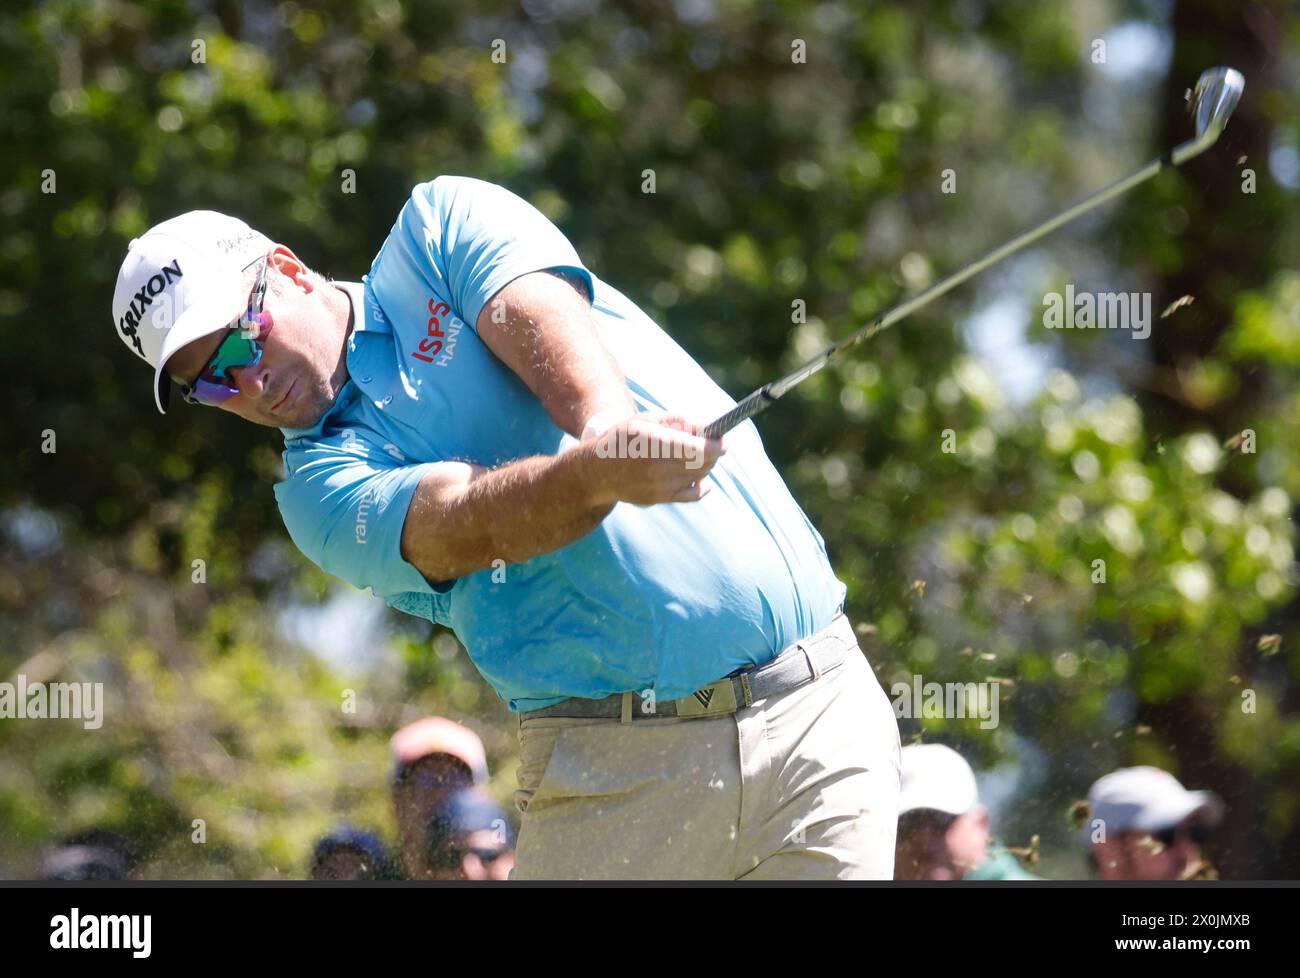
x: 180, y: 280
x: 1147, y: 799
x: 938, y: 778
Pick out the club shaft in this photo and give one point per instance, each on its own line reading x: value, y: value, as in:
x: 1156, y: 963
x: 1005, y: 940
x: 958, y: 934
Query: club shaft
x: 768, y: 394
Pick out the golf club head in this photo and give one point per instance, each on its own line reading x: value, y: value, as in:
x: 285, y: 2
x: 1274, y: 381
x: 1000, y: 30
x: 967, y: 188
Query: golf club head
x: 1217, y: 93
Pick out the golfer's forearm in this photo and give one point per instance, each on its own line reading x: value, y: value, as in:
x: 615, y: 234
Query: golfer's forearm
x: 463, y: 518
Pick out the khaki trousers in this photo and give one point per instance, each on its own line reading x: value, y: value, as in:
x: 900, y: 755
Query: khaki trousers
x: 802, y: 785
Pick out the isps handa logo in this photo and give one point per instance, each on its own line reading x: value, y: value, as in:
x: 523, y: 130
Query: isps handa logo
x: 439, y: 346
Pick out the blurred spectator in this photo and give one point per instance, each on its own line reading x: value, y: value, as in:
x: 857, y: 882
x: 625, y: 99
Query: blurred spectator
x: 469, y: 837
x: 433, y: 758
x: 943, y: 830
x: 96, y: 854
x: 349, y: 853
x: 1144, y: 825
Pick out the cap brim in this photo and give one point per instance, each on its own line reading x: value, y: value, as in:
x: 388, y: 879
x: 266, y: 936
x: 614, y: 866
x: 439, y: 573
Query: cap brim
x: 1210, y: 807
x: 933, y: 802
x: 203, y: 318
x: 1205, y: 804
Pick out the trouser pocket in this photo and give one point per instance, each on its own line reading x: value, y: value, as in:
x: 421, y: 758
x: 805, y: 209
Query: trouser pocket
x: 537, y: 740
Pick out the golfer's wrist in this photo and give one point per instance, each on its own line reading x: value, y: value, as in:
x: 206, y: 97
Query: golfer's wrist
x: 601, y: 422
x: 589, y: 466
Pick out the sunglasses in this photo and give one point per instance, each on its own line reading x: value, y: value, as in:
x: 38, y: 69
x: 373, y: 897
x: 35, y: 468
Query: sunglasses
x: 1167, y: 837
x: 241, y: 348
x: 924, y: 820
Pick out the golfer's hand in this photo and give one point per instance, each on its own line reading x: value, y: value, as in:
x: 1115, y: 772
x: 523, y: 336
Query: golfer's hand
x: 650, y: 459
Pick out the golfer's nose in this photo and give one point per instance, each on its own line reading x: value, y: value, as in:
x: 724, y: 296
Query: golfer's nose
x: 250, y: 380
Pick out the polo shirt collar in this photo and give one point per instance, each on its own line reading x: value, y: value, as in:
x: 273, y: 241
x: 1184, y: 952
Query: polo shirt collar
x: 364, y: 320
x: 365, y: 317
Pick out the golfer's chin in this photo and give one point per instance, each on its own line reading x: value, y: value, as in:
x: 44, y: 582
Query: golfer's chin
x: 311, y: 406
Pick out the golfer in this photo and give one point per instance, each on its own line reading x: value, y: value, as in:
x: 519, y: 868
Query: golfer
x: 488, y: 436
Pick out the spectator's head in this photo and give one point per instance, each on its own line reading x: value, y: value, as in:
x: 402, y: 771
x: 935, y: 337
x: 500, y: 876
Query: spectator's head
x: 97, y: 854
x: 432, y: 759
x: 943, y: 830
x: 1144, y: 825
x: 468, y: 837
x: 350, y: 854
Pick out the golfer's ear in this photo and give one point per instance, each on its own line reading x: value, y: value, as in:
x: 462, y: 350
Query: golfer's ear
x: 291, y: 267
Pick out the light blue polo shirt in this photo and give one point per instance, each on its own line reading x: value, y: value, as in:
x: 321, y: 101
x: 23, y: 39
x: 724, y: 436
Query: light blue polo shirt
x: 668, y: 597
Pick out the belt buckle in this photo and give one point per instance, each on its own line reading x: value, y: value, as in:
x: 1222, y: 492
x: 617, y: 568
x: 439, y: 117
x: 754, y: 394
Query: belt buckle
x: 711, y: 700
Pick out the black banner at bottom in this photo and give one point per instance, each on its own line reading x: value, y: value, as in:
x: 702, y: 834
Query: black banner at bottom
x: 143, y: 924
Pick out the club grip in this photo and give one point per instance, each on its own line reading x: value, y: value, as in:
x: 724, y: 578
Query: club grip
x: 750, y: 406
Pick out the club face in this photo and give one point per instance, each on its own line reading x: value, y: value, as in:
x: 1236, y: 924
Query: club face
x: 1217, y: 93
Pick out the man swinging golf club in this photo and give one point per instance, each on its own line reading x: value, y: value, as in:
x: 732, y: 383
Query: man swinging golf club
x: 459, y: 432
x: 488, y: 436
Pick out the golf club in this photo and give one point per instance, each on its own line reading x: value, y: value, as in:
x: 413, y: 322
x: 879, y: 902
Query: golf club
x: 1216, y: 95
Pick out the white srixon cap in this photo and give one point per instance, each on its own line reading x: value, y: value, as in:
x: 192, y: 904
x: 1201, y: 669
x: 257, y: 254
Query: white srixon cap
x: 1147, y: 799
x: 937, y: 778
x: 183, y: 279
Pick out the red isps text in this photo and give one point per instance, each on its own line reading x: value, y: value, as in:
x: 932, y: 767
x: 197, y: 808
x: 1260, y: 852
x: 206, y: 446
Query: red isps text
x: 431, y: 345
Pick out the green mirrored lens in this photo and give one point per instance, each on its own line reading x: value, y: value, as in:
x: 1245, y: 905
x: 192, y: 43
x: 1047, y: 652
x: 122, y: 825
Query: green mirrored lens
x: 234, y: 352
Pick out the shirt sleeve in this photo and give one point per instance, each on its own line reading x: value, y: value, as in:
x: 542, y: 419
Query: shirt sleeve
x: 483, y: 237
x: 344, y: 508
